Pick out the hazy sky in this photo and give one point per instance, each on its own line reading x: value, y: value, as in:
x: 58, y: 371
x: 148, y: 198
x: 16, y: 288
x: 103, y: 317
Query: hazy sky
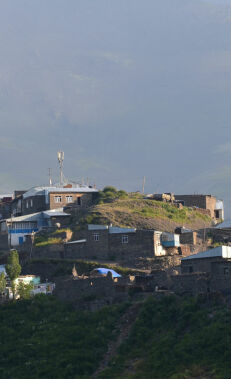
x: 126, y: 88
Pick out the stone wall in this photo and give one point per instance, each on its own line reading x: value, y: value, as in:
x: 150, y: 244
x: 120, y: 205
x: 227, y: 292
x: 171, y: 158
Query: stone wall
x: 140, y: 244
x: 190, y: 283
x: 198, y: 265
x: 188, y: 238
x: 55, y: 251
x: 90, y: 293
x: 110, y: 246
x: 38, y: 204
x: 200, y: 201
x: 193, y: 200
x: 4, y: 242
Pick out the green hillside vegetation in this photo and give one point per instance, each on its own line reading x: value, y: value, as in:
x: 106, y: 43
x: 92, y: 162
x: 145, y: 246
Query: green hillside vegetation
x: 45, y: 339
x: 133, y: 210
x: 176, y: 339
x: 170, y: 338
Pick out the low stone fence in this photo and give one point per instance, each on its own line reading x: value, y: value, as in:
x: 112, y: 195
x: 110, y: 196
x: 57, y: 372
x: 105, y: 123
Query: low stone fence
x: 55, y: 251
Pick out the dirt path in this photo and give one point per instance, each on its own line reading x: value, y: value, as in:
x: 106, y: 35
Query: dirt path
x: 122, y: 328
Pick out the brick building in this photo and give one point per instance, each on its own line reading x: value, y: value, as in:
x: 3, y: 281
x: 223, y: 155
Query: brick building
x: 39, y: 199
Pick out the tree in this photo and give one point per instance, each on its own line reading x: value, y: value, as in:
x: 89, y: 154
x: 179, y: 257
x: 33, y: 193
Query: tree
x: 13, y: 268
x: 24, y: 290
x: 2, y: 283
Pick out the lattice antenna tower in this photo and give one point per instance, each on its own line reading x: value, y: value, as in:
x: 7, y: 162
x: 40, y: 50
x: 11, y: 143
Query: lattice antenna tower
x: 60, y: 160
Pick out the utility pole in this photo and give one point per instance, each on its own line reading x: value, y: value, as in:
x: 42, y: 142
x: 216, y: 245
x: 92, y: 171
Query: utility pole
x: 144, y: 180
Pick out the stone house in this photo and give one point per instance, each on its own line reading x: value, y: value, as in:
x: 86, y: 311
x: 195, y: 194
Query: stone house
x: 215, y: 261
x: 208, y: 202
x: 39, y: 199
x: 114, y: 243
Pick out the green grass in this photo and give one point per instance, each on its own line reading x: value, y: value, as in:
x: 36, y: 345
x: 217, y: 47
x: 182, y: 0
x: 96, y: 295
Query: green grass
x: 45, y: 241
x: 62, y: 230
x: 43, y: 338
x: 175, y: 339
x: 156, y: 209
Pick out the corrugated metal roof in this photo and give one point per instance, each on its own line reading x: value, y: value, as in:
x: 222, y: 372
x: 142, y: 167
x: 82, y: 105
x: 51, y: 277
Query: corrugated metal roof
x: 35, y: 216
x: 97, y: 227
x: 29, y: 217
x: 78, y: 241
x: 112, y: 229
x: 55, y: 213
x: 115, y: 229
x: 41, y: 191
x: 220, y: 251
x: 224, y: 225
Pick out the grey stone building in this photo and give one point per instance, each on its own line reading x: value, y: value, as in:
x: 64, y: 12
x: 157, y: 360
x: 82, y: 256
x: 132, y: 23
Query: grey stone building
x: 217, y: 261
x: 208, y: 202
x: 114, y: 243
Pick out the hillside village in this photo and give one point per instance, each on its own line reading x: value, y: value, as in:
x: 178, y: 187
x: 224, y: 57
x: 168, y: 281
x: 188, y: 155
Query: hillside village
x: 96, y: 247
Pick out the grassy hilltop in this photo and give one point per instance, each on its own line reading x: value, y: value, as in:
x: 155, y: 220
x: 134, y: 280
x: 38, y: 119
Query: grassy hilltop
x: 133, y: 210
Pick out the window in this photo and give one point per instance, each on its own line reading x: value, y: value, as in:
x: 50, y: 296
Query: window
x: 124, y: 239
x: 69, y: 199
x: 96, y: 236
x: 31, y: 203
x: 79, y: 200
x: 58, y: 199
x: 27, y: 204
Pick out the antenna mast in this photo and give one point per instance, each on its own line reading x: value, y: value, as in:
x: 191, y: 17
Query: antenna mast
x: 61, y: 159
x: 50, y: 176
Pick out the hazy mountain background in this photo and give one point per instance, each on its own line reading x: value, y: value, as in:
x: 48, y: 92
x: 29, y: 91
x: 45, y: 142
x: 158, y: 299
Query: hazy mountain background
x: 126, y: 88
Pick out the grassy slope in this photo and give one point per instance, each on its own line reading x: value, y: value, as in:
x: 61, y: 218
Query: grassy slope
x: 150, y: 214
x: 43, y: 338
x: 171, y: 338
x: 176, y: 339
